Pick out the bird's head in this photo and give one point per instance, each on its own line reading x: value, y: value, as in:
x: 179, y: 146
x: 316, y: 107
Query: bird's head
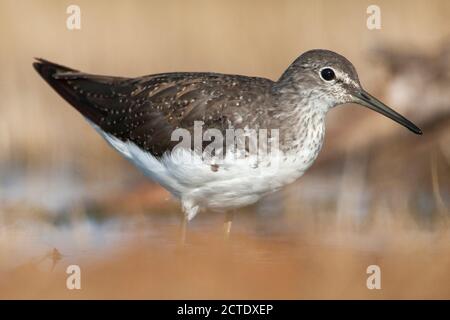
x: 331, y: 80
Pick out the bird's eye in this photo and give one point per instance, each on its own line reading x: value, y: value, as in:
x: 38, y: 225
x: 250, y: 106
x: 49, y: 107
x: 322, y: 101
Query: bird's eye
x: 327, y: 74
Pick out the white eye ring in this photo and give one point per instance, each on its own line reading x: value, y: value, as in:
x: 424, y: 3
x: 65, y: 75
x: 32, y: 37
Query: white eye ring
x: 327, y: 74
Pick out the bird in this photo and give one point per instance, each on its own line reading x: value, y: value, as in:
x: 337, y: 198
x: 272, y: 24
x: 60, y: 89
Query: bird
x: 139, y: 116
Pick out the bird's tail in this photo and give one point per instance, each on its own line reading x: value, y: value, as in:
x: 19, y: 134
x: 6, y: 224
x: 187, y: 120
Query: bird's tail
x: 88, y: 93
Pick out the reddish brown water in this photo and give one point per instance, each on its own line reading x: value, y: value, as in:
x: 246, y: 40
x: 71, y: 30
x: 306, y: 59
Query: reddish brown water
x: 142, y: 258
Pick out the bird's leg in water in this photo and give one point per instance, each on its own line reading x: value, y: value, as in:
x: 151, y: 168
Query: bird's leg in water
x: 227, y: 224
x: 183, y: 228
x: 190, y: 210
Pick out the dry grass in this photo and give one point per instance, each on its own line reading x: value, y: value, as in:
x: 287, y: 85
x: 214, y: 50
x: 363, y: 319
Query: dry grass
x: 139, y: 37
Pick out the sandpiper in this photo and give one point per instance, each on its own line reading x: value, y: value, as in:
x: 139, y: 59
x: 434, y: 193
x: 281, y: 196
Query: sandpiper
x: 138, y: 116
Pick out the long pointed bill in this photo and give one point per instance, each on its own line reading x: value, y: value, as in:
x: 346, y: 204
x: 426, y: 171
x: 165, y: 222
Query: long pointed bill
x: 367, y: 100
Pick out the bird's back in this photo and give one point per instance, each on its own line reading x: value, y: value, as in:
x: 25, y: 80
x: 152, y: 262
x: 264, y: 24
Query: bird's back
x: 146, y: 110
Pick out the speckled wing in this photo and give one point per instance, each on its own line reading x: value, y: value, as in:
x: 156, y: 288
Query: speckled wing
x: 146, y: 110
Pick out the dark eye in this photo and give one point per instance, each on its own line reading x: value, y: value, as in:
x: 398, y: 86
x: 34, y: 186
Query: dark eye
x: 327, y: 74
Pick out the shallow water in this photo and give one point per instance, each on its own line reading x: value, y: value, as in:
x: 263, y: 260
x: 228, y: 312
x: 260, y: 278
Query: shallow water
x: 142, y: 257
x: 127, y: 242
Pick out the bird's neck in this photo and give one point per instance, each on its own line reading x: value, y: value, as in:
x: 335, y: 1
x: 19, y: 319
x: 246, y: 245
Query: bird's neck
x: 304, y: 123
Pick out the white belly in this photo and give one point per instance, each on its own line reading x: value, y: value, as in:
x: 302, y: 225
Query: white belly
x: 235, y: 183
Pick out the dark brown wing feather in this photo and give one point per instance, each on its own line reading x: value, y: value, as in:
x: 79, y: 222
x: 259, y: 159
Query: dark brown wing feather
x: 146, y: 110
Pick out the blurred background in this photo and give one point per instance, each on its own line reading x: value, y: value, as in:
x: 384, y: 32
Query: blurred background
x: 376, y: 195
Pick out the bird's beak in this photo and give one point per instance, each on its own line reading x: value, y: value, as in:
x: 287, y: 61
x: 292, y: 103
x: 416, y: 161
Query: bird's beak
x: 365, y: 99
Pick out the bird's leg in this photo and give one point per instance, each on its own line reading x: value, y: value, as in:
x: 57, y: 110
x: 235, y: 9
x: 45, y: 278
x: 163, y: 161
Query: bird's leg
x: 183, y: 229
x: 189, y: 212
x: 227, y: 224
